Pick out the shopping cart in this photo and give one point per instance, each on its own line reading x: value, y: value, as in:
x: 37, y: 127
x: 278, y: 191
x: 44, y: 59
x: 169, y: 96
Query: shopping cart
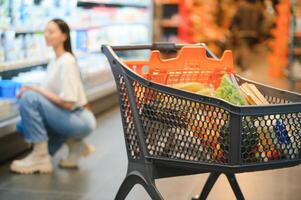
x: 170, y: 132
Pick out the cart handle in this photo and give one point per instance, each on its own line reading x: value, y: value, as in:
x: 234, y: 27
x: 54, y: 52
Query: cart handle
x: 161, y: 46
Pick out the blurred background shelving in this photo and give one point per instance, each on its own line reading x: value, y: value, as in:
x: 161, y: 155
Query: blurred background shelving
x: 294, y: 69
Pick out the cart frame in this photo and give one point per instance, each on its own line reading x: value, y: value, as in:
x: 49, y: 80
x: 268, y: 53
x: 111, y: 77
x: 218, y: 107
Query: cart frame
x: 145, y: 169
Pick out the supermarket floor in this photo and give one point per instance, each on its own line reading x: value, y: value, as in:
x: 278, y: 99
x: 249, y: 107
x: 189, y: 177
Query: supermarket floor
x: 259, y: 71
x: 101, y: 174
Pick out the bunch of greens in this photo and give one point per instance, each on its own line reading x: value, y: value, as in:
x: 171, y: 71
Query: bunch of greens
x: 229, y: 91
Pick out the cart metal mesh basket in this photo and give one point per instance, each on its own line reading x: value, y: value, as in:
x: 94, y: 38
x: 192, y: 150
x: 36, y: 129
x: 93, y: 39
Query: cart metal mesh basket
x: 200, y: 129
x: 180, y: 128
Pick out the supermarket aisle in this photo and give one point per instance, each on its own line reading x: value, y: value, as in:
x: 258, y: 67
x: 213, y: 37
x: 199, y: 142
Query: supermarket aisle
x: 101, y: 174
x: 258, y: 70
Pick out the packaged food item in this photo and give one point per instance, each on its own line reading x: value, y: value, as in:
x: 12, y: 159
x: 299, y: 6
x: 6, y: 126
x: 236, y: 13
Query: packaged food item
x: 207, y: 91
x: 229, y: 91
x: 263, y: 138
x: 196, y: 87
x: 281, y: 133
x: 189, y: 86
x: 252, y: 95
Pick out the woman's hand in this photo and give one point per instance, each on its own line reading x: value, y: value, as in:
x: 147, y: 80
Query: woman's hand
x: 28, y: 87
x: 49, y: 95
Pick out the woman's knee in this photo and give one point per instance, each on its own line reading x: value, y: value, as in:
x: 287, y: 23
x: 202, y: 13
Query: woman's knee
x: 88, y: 129
x: 28, y: 97
x: 91, y: 123
x: 88, y: 126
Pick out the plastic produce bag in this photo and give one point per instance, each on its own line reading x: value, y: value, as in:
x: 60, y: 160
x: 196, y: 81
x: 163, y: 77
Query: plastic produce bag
x: 229, y: 92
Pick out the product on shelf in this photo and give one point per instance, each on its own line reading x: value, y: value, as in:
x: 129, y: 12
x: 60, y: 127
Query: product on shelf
x: 36, y: 77
x: 296, y: 69
x: 5, y: 108
x: 167, y: 21
x: 9, y: 89
x: 23, y: 40
x: 4, y: 14
x: 200, y: 23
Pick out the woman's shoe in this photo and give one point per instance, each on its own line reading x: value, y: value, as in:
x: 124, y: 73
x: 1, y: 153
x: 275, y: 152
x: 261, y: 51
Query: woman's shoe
x: 77, y: 149
x: 38, y: 160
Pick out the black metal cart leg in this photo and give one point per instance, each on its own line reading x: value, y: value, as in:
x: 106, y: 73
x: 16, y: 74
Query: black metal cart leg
x: 235, y: 187
x: 208, y: 185
x: 152, y: 190
x: 137, y: 178
x: 125, y: 188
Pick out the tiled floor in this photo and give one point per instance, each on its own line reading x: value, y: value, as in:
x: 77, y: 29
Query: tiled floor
x: 101, y: 174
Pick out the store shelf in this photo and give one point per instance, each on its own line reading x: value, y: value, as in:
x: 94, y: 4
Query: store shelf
x: 297, y: 51
x: 169, y: 2
x: 297, y: 34
x: 40, y: 30
x: 166, y: 23
x: 76, y: 28
x: 14, y: 65
x: 29, y: 63
x: 27, y: 31
x: 167, y: 20
x: 8, y: 123
x: 93, y: 3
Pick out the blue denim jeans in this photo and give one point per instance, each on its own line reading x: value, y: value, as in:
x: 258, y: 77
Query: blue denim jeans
x: 41, y: 120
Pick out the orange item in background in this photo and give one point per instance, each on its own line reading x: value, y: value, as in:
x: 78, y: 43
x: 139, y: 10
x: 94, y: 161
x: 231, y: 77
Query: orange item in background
x: 278, y: 57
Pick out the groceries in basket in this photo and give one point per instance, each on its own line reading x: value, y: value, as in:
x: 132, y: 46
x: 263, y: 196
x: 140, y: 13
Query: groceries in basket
x: 263, y: 137
x: 229, y: 91
x: 278, y: 139
x: 196, y: 87
x: 252, y: 95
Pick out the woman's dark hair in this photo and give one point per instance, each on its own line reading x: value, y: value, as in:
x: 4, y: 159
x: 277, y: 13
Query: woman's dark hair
x: 63, y: 26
